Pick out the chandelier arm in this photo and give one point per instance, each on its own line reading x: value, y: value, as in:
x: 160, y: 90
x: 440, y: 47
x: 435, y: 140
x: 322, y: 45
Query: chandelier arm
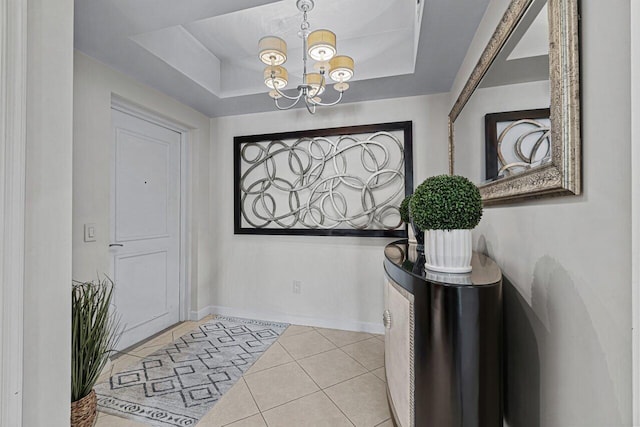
x: 282, y: 94
x: 288, y: 107
x: 310, y: 108
x: 329, y: 104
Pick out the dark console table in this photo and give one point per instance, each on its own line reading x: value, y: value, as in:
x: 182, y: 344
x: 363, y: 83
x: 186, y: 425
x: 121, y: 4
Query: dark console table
x: 443, y: 342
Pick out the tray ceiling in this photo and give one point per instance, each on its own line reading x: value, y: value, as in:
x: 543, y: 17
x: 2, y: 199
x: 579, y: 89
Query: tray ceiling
x: 204, y: 53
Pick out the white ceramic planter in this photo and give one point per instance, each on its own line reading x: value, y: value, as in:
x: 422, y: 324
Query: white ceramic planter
x: 448, y: 251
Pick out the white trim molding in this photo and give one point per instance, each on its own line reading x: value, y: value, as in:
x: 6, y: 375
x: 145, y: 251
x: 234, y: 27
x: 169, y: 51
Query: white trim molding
x: 13, y: 72
x: 200, y: 314
x: 343, y: 324
x: 124, y: 105
x: 635, y: 215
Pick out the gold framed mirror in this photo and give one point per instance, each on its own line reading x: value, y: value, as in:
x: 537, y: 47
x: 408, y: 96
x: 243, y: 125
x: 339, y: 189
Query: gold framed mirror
x: 514, y: 80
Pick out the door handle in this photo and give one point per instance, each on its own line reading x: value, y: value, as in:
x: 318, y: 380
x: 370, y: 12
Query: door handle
x: 115, y: 244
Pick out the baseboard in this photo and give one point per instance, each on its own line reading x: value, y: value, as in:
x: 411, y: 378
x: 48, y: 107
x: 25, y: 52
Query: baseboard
x: 347, y: 325
x: 197, y: 315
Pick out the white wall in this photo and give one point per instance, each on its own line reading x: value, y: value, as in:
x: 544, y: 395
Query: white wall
x: 635, y: 138
x: 567, y: 261
x: 341, y: 277
x: 94, y: 85
x: 47, y: 302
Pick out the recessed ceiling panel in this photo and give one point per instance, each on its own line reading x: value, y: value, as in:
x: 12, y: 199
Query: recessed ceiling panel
x: 178, y: 48
x: 220, y: 53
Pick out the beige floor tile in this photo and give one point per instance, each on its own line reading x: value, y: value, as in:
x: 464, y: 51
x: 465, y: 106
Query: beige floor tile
x: 106, y: 372
x: 315, y: 410
x: 146, y: 348
x: 100, y: 417
x: 183, y: 328
x: 234, y: 405
x: 204, y: 320
x: 145, y: 351
x: 282, y: 384
x: 162, y: 339
x: 380, y: 373
x: 306, y: 344
x: 254, y: 421
x: 106, y: 420
x: 387, y: 423
x: 369, y: 352
x: 363, y: 399
x: 380, y: 337
x: 274, y: 356
x: 342, y: 338
x: 331, y: 367
x: 295, y: 330
x: 104, y: 377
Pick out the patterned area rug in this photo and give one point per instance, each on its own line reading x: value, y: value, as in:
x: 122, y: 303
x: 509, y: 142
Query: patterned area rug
x: 178, y: 384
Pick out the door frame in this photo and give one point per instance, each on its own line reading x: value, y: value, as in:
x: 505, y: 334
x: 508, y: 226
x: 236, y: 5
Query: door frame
x: 13, y: 95
x: 635, y: 210
x: 123, y: 105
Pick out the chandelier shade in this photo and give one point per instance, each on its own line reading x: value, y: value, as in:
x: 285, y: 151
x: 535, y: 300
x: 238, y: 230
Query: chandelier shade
x: 273, y: 50
x: 276, y: 76
x: 322, y: 45
x: 341, y: 68
x: 316, y: 81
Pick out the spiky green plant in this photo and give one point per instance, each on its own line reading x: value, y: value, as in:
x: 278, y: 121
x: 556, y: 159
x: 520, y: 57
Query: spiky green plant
x: 95, y: 333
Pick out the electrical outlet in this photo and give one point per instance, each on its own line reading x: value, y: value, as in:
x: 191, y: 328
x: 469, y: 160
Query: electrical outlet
x: 297, y: 287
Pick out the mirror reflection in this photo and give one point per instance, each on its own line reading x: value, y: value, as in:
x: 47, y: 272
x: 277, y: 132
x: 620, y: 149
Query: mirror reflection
x: 506, y: 121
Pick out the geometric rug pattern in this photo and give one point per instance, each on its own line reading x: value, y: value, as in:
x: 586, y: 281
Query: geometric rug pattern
x: 178, y: 384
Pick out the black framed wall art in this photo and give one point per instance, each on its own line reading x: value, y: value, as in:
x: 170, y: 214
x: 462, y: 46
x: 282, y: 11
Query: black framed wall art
x: 346, y: 181
x: 516, y: 141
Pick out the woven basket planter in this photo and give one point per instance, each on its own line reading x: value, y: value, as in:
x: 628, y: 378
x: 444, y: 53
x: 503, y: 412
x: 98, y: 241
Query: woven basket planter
x: 83, y: 411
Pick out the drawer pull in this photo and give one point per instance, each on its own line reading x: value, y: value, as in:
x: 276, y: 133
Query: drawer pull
x: 386, y: 319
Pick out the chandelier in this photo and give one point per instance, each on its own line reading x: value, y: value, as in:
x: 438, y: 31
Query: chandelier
x: 319, y: 45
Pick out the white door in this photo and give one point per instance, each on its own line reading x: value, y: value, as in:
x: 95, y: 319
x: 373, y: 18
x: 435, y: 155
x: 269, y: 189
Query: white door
x: 145, y: 226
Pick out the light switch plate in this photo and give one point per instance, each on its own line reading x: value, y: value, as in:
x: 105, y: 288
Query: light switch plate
x: 89, y: 232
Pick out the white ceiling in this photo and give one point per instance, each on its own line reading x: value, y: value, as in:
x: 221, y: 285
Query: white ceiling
x: 535, y: 40
x: 204, y: 52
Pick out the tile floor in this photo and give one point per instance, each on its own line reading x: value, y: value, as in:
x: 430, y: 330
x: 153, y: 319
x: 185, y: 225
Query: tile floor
x: 309, y: 377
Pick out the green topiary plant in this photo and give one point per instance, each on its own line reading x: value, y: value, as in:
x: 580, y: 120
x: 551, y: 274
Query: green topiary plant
x: 446, y: 202
x: 404, y: 210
